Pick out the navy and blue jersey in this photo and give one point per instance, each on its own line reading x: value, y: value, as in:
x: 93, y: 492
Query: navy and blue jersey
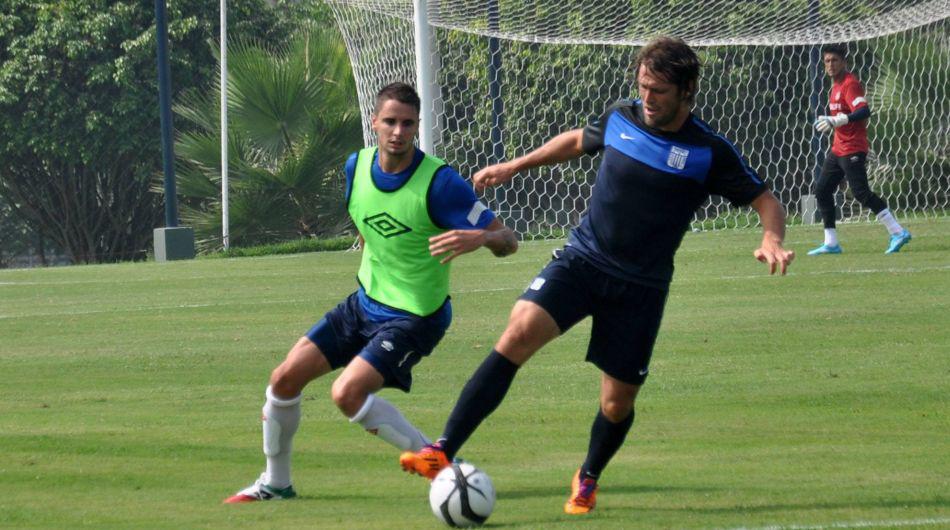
x: 452, y: 205
x: 648, y: 188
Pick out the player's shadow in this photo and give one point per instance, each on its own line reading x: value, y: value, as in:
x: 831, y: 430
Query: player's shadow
x: 936, y: 502
x: 561, y: 491
x: 607, y: 512
x: 326, y: 497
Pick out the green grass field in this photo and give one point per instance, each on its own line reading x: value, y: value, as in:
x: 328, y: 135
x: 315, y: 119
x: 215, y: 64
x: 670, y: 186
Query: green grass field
x: 130, y: 395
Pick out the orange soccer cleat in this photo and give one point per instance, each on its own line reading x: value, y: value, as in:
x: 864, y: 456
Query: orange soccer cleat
x: 427, y: 461
x: 583, y: 495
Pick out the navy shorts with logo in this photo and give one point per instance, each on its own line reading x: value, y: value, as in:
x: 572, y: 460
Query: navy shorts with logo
x: 393, y: 347
x: 626, y: 315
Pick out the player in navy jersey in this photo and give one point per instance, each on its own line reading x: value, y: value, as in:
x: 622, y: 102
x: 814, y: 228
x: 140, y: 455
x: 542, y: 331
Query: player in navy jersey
x: 415, y: 214
x: 660, y: 163
x: 848, y: 115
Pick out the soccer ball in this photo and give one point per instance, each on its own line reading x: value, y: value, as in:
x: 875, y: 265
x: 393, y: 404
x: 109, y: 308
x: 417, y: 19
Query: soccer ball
x: 462, y: 495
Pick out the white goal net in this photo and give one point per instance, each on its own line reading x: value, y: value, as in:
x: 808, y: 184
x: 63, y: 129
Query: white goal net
x: 509, y: 74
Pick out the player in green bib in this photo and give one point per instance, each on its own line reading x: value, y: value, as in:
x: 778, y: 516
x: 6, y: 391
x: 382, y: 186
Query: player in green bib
x: 397, y: 268
x: 415, y: 214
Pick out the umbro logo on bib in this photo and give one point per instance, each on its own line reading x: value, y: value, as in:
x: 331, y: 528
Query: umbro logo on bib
x: 386, y: 225
x: 677, y: 158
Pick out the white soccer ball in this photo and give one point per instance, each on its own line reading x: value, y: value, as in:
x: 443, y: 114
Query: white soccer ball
x: 462, y: 495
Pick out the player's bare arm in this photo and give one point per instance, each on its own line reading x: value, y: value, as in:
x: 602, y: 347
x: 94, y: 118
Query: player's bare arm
x: 771, y: 250
x: 496, y: 237
x: 565, y: 146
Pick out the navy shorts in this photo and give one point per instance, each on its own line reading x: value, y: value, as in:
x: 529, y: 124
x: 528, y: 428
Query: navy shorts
x: 626, y: 315
x: 393, y: 347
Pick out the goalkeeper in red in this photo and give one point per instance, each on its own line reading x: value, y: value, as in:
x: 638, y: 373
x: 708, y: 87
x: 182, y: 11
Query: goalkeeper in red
x: 847, y: 159
x: 659, y: 164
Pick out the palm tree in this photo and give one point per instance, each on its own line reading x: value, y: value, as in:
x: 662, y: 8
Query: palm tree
x: 293, y: 117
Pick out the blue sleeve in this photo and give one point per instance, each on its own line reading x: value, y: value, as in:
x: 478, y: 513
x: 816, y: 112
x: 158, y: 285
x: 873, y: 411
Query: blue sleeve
x: 453, y: 204
x: 592, y: 140
x: 350, y: 170
x: 863, y: 113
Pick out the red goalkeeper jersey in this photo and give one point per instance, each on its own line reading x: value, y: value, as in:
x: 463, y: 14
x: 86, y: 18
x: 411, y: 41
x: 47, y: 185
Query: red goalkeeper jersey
x: 845, y: 98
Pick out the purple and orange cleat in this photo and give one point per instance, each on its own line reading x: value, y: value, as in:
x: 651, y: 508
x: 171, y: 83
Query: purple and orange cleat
x: 583, y: 495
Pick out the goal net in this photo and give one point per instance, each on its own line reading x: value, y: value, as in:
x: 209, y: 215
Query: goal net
x: 509, y: 74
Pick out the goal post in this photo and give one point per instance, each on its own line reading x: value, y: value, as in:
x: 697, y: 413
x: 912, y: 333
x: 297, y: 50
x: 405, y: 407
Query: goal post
x: 509, y: 74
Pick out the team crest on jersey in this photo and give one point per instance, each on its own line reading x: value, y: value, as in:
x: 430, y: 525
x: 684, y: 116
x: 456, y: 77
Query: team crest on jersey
x: 677, y: 158
x: 386, y: 225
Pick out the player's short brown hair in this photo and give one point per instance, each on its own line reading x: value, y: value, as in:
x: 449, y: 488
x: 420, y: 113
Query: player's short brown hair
x: 400, y: 92
x: 674, y: 61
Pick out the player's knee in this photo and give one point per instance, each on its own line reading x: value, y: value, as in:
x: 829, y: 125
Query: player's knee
x: 864, y: 196
x: 529, y: 328
x: 347, y: 396
x: 824, y: 196
x: 616, y: 410
x: 283, y: 383
x: 517, y: 344
x: 516, y: 335
x: 818, y: 187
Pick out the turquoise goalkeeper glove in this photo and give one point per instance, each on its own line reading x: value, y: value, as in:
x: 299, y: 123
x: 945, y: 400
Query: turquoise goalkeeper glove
x: 827, y: 123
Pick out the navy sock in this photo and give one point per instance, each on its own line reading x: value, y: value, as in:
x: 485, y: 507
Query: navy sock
x: 480, y: 397
x: 606, y: 438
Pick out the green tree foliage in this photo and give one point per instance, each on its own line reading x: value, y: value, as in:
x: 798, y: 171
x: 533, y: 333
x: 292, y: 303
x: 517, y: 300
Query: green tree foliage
x: 293, y: 118
x: 14, y: 235
x: 904, y: 77
x: 79, y: 118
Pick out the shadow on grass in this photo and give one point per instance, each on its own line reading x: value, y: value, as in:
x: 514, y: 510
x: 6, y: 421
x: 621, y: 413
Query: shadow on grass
x: 562, y: 490
x: 118, y: 443
x: 324, y: 497
x: 606, y: 514
x: 936, y: 502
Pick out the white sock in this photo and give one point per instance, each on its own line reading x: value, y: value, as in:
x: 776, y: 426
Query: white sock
x: 885, y: 216
x: 381, y: 418
x: 831, y: 237
x: 280, y: 420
